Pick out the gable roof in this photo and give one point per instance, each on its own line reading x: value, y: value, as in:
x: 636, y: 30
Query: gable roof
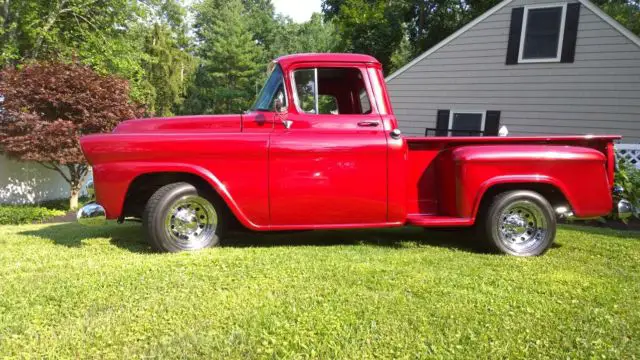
x: 588, y: 4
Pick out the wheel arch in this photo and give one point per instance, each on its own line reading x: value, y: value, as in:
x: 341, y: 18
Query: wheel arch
x: 143, y: 185
x: 552, y: 190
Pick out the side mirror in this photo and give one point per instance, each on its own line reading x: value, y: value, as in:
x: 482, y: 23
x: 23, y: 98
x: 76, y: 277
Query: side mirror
x: 278, y: 106
x: 280, y: 109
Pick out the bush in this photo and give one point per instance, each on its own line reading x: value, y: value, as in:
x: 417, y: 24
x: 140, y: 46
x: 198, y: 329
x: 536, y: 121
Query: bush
x: 62, y: 204
x: 628, y: 176
x: 20, y: 214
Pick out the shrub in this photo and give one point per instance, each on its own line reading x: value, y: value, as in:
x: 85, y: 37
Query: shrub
x: 628, y: 176
x: 20, y: 214
x: 62, y: 204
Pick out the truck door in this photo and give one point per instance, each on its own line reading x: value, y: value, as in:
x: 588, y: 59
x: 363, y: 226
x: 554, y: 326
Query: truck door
x: 328, y: 163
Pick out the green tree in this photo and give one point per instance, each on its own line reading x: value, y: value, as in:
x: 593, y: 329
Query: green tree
x: 626, y: 12
x: 111, y: 36
x: 225, y: 81
x: 104, y: 34
x: 166, y: 66
x: 372, y: 27
x: 402, y: 55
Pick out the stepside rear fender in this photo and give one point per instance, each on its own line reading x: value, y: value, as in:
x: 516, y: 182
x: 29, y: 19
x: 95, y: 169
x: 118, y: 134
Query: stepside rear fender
x: 579, y: 173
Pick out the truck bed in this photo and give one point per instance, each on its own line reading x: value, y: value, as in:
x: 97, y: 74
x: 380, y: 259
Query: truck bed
x: 573, y: 166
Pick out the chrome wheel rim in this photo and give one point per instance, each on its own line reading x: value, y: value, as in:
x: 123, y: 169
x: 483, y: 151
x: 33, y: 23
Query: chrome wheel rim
x: 522, y: 226
x: 191, y: 222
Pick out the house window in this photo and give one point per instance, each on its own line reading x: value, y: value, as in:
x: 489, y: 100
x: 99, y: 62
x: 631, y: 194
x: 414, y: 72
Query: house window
x: 466, y: 123
x: 542, y: 33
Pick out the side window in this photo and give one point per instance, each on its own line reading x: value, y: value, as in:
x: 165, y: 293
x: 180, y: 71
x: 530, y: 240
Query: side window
x: 327, y: 104
x: 331, y: 91
x: 306, y: 90
x: 365, y: 105
x: 272, y: 89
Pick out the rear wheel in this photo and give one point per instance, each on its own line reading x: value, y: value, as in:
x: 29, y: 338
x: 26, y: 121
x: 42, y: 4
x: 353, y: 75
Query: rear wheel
x: 180, y: 217
x: 520, y: 223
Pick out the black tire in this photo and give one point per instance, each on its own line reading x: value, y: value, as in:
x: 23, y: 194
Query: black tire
x: 181, y: 217
x: 519, y: 223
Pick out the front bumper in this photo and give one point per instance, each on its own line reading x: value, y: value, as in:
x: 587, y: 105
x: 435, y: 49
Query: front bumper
x: 92, y: 214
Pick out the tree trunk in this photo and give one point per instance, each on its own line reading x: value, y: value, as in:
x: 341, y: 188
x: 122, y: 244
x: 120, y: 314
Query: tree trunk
x: 77, y: 175
x: 73, y: 200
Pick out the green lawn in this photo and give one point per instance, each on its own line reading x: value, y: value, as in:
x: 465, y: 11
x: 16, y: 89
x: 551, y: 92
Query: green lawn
x: 69, y: 291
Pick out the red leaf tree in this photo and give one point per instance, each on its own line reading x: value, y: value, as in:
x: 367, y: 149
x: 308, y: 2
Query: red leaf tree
x: 48, y: 106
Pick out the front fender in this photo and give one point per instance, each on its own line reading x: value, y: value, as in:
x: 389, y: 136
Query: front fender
x: 112, y: 181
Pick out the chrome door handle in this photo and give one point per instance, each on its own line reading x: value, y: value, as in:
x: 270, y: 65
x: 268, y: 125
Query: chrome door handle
x: 368, y: 123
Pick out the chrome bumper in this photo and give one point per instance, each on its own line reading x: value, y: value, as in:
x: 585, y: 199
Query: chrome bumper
x: 92, y: 214
x: 623, y: 209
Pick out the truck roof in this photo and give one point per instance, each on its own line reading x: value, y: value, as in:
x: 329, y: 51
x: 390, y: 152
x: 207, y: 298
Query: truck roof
x: 325, y: 57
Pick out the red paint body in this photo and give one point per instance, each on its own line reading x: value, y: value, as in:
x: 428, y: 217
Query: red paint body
x: 327, y: 171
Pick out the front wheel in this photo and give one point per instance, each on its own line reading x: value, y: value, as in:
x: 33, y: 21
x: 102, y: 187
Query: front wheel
x: 180, y: 217
x: 520, y: 223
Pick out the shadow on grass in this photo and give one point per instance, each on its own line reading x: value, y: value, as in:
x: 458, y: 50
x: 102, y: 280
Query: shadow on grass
x: 394, y: 238
x: 130, y: 237
x: 596, y: 229
x: 126, y: 236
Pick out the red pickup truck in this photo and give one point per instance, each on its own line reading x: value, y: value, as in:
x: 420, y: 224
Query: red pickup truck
x: 321, y: 149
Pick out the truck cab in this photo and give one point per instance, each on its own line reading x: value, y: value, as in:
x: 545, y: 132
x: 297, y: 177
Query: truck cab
x: 332, y: 110
x: 321, y: 149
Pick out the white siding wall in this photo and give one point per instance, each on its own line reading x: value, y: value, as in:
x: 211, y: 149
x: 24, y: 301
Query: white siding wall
x: 26, y: 182
x: 598, y: 94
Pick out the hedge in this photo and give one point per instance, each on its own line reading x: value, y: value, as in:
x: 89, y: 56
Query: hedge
x: 21, y: 214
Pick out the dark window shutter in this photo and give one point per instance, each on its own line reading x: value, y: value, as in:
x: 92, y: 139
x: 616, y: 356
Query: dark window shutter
x: 492, y: 123
x: 514, y: 35
x: 442, y: 123
x: 570, y: 33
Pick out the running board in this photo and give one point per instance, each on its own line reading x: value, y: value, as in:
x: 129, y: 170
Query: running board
x: 437, y: 221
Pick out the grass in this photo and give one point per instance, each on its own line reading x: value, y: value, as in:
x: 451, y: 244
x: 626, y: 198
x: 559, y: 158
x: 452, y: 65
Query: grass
x: 68, y: 291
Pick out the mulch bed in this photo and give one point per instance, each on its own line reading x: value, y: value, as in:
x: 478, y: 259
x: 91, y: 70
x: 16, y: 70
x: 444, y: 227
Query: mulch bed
x: 68, y: 217
x: 633, y: 224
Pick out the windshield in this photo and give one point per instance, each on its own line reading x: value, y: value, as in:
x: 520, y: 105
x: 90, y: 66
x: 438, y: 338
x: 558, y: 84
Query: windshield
x: 268, y: 93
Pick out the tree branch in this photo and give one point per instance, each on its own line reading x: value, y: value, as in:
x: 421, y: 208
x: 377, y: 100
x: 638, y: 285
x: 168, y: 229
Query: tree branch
x: 51, y: 19
x: 88, y: 22
x: 55, y: 168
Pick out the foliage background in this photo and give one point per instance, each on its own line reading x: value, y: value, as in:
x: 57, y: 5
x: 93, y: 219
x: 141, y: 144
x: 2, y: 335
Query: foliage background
x: 209, y: 56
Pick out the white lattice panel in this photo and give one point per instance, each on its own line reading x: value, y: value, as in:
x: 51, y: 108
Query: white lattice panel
x: 629, y: 152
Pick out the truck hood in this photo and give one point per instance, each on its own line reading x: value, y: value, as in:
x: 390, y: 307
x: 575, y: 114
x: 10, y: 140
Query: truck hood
x: 191, y: 123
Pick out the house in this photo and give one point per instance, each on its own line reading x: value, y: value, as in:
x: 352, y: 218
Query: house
x: 536, y: 66
x: 29, y: 182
